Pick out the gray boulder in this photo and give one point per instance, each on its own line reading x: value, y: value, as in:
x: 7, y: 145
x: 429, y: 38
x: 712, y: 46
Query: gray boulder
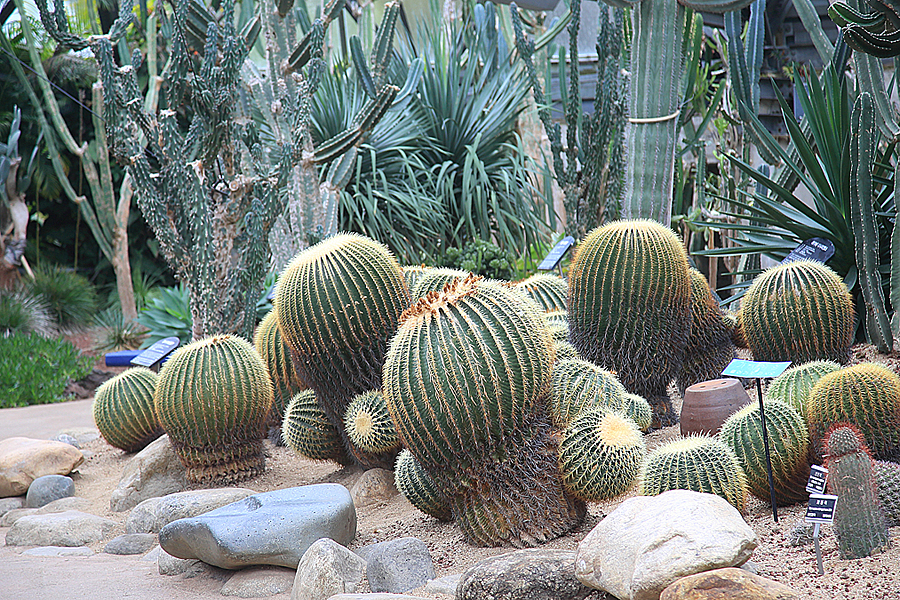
x: 397, y: 566
x: 170, y: 565
x: 58, y: 551
x: 57, y: 506
x: 69, y: 528
x: 130, y: 543
x: 22, y: 460
x: 8, y: 504
x: 327, y: 568
x: 374, y: 486
x: 153, y: 514
x: 727, y: 583
x: 533, y: 574
x: 648, y: 542
x: 274, y: 528
x: 259, y: 582
x: 375, y: 596
x: 443, y: 585
x: 154, y: 471
x: 48, y: 488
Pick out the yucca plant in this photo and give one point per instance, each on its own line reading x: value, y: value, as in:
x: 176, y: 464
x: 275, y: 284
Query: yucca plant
x: 113, y: 332
x: 23, y: 312
x: 71, y: 298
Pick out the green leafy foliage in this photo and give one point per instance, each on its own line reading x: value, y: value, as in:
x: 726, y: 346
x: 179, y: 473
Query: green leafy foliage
x: 23, y: 312
x: 481, y: 258
x: 167, y: 314
x: 35, y: 370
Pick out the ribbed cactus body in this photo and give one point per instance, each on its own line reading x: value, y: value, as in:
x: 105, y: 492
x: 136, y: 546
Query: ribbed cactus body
x: 124, y: 412
x: 698, y: 463
x: 629, y: 307
x: 577, y: 385
x: 887, y: 479
x: 565, y: 350
x: 213, y: 398
x: 369, y: 425
x: 788, y: 446
x: 732, y: 322
x: 710, y: 347
x: 794, y: 385
x: 600, y: 454
x: 277, y: 357
x: 308, y: 432
x: 548, y: 290
x: 464, y: 381
x: 801, y: 312
x: 411, y: 273
x: 433, y: 280
x: 419, y: 488
x: 859, y: 521
x: 338, y: 304
x: 866, y: 395
x: 558, y: 323
x: 638, y: 410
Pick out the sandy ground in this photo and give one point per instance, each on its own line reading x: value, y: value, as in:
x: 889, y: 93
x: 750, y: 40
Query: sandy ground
x: 102, y: 577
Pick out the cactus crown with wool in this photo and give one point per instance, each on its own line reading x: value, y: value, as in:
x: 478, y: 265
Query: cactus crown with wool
x: 123, y: 410
x: 710, y: 347
x: 794, y: 385
x: 600, y: 454
x: 368, y: 424
x: 307, y: 431
x: 697, y: 463
x: 577, y: 385
x: 629, y: 306
x: 338, y: 304
x: 789, y: 444
x: 277, y: 357
x: 548, y: 290
x: 419, y: 488
x: 464, y: 381
x: 859, y: 520
x: 213, y: 399
x: 798, y: 312
x: 866, y: 395
x: 433, y: 279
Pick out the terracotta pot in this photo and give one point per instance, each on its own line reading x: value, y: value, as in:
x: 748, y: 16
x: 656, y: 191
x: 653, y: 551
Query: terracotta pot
x: 707, y: 404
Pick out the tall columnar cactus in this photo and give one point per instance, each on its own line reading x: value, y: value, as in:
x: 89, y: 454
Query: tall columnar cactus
x: 709, y: 347
x: 419, y: 488
x: 629, y: 307
x: 307, y: 431
x: 277, y: 357
x: 859, y: 521
x: 433, y: 280
x: 600, y: 454
x: 798, y: 312
x: 698, y: 463
x: 368, y: 424
x: 577, y: 385
x: 464, y: 380
x: 548, y: 290
x: 887, y: 479
x: 866, y: 395
x: 794, y: 385
x: 338, y: 304
x: 789, y: 444
x: 123, y: 410
x: 213, y: 398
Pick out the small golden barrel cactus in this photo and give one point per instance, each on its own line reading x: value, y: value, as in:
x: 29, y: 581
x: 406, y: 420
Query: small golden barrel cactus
x: 434, y: 279
x: 123, y: 410
x: 558, y: 322
x: 547, y: 289
x: 577, y: 385
x: 419, y: 488
x: 277, y: 356
x: 798, y: 312
x: 369, y: 425
x: 794, y: 385
x: 307, y: 431
x: 213, y: 399
x: 638, y: 410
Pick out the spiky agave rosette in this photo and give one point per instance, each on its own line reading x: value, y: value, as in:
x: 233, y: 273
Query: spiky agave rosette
x: 213, y: 399
x: 464, y: 381
x: 338, y: 304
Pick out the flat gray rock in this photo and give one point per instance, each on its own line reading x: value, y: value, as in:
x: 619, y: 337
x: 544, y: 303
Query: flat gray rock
x: 443, y: 585
x: 375, y: 596
x: 172, y: 565
x: 69, y: 528
x: 533, y: 574
x: 153, y: 514
x: 59, y: 551
x: 14, y: 515
x: 259, y: 582
x: 8, y: 504
x: 48, y: 488
x: 327, y: 568
x: 57, y: 506
x: 130, y: 543
x: 274, y: 528
x: 648, y: 542
x: 397, y: 566
x: 154, y: 471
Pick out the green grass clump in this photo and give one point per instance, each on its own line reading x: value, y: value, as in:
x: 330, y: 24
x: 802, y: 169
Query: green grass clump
x: 35, y: 370
x: 71, y: 298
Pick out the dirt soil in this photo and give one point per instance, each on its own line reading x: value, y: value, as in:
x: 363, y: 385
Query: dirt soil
x: 105, y: 576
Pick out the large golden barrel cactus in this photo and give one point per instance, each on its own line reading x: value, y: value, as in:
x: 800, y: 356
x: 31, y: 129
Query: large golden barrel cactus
x: 464, y: 381
x: 630, y: 307
x: 123, y: 410
x: 338, y: 304
x: 277, y: 357
x: 798, y: 312
x: 213, y: 399
x: 794, y: 385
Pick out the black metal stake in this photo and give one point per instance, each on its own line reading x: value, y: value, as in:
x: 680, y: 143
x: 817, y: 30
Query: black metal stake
x: 762, y: 418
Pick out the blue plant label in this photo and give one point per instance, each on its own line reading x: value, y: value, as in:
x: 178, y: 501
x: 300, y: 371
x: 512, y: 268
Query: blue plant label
x: 752, y: 369
x: 815, y: 248
x: 156, y: 352
x: 817, y: 478
x: 559, y: 250
x: 820, y: 508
